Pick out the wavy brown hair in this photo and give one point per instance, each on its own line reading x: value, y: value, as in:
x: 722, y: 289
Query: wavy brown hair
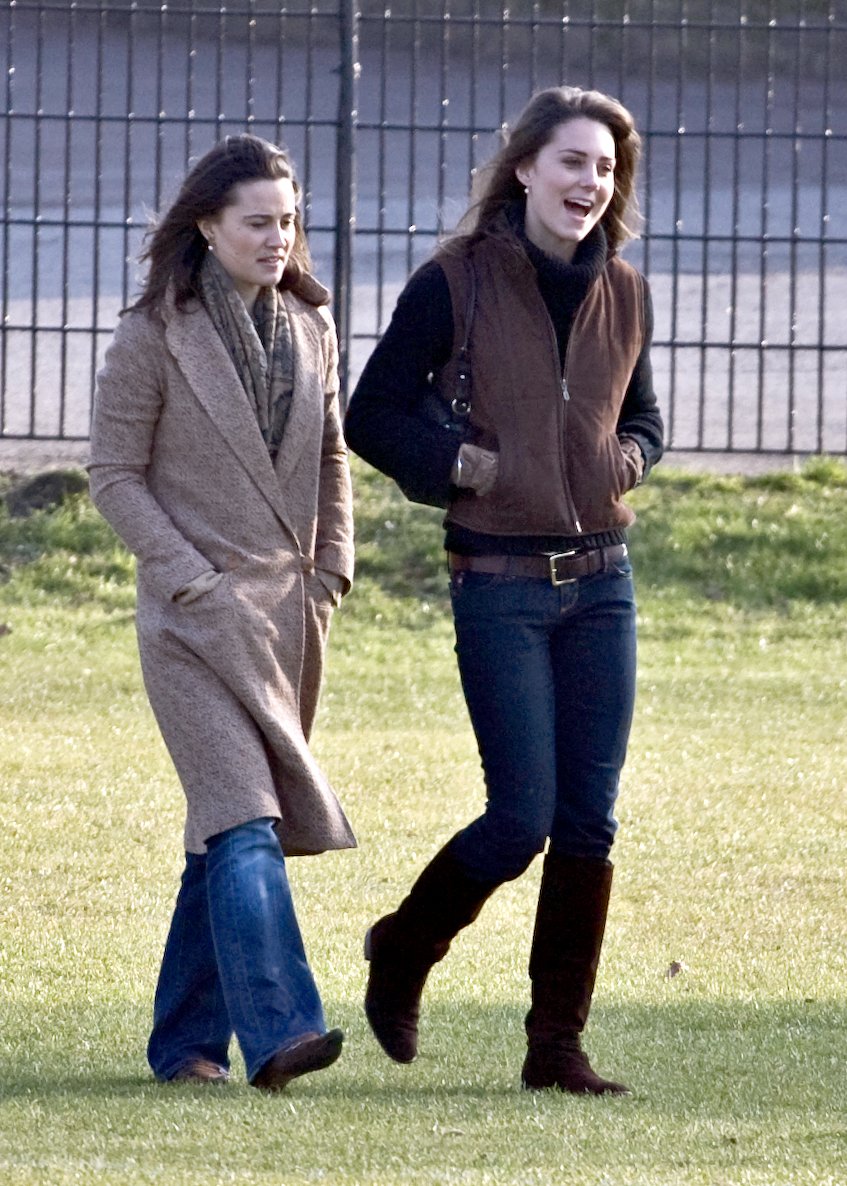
x: 175, y: 249
x: 497, y: 184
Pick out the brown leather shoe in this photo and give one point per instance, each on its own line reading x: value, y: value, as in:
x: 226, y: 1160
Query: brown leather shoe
x: 200, y: 1070
x: 310, y: 1052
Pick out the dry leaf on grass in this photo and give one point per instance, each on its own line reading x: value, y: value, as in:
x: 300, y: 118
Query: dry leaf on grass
x: 674, y: 968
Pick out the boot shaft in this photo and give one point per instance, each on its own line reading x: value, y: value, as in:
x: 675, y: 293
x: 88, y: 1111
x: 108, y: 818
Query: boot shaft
x: 570, y: 924
x: 443, y: 901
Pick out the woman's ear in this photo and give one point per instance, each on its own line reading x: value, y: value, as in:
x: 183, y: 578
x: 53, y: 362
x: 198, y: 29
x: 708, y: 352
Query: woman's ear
x: 204, y: 226
x: 523, y: 174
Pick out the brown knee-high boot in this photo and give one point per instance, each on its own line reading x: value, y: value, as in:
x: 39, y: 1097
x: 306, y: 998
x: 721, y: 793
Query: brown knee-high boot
x: 403, y: 946
x: 569, y: 926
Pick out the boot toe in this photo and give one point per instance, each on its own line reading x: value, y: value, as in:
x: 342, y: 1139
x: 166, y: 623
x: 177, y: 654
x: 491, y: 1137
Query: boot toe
x: 395, y: 1036
x: 310, y: 1052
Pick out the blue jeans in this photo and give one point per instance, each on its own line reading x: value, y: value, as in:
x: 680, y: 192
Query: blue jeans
x: 234, y: 960
x: 549, y: 678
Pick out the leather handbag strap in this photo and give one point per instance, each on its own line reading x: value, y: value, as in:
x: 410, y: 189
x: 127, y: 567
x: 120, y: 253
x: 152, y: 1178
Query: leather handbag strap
x: 460, y: 405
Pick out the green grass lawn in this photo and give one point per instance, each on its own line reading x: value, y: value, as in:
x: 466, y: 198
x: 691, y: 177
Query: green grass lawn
x: 730, y: 862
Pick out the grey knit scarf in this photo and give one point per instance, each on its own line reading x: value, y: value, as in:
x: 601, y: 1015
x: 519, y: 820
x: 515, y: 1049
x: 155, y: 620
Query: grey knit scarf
x: 260, y: 347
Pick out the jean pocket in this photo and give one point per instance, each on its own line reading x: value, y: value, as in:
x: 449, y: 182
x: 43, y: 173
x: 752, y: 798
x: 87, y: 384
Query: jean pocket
x: 466, y: 583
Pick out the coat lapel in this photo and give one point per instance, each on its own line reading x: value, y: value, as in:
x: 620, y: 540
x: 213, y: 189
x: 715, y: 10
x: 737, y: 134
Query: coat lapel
x: 206, y: 365
x: 305, y: 419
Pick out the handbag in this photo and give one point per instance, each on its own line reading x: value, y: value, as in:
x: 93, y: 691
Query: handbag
x: 451, y: 410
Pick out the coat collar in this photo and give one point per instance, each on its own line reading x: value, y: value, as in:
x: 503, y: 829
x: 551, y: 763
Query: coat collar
x: 206, y: 365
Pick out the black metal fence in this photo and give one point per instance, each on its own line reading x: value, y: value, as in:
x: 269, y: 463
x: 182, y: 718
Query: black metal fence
x: 742, y: 104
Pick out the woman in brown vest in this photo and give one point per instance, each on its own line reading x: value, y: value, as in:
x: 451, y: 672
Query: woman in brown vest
x: 217, y: 455
x: 563, y: 422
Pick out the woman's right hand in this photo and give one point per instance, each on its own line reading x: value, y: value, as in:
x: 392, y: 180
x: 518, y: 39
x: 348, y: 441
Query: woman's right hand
x: 475, y: 469
x: 198, y: 587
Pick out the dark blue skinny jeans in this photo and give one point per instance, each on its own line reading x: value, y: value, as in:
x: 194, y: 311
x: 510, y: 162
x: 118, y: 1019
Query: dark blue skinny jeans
x: 234, y: 960
x: 548, y: 674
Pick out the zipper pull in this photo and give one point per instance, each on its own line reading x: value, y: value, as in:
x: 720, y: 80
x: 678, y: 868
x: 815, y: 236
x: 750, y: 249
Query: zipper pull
x: 566, y: 395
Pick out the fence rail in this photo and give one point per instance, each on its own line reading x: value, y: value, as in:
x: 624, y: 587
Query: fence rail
x: 742, y: 104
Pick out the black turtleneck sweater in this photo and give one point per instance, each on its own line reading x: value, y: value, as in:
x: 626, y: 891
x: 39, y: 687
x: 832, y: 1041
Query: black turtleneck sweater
x: 419, y: 341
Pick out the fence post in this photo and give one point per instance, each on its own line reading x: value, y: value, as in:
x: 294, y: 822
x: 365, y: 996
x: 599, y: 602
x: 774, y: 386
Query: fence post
x: 345, y: 182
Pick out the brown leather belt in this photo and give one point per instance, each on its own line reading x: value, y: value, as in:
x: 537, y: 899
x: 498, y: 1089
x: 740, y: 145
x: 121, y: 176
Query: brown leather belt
x: 559, y: 568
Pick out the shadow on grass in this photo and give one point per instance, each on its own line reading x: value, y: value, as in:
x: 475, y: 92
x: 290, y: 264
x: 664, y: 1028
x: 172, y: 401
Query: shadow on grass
x: 677, y: 1056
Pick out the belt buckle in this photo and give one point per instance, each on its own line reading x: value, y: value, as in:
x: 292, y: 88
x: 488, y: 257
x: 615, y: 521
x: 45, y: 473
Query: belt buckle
x: 553, y: 557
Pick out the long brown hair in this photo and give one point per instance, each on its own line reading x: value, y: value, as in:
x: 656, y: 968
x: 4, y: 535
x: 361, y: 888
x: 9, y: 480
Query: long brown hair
x: 175, y: 248
x: 497, y: 183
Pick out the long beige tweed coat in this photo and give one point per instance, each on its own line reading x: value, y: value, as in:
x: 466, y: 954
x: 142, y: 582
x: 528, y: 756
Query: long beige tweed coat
x: 179, y: 468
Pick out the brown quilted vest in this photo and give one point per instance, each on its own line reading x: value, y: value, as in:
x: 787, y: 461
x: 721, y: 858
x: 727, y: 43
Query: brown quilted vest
x: 561, y: 470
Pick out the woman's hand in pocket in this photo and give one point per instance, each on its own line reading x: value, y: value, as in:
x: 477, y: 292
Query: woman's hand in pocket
x: 475, y: 469
x: 332, y: 583
x: 198, y: 587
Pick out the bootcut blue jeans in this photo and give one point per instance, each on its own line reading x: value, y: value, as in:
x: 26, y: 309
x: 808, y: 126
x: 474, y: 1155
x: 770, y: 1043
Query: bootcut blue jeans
x: 234, y: 960
x: 548, y: 673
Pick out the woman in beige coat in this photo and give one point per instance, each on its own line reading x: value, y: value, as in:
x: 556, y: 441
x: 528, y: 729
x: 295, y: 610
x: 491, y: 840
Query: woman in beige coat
x: 217, y: 456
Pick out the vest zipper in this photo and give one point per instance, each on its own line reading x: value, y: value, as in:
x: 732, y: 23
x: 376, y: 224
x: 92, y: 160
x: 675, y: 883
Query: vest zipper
x: 566, y: 399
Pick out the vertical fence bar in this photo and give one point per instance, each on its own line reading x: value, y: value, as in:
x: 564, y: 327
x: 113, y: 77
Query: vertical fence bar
x: 534, y: 47
x: 623, y: 56
x: 765, y: 227
x: 413, y: 137
x: 161, y: 27
x: 345, y: 183
x: 647, y: 139
x: 8, y: 72
x: 473, y: 138
x: 129, y: 128
x: 735, y: 223
x: 307, y: 130
x: 190, y: 83
x: 279, y: 105
x: 563, y: 37
x: 249, y: 73
x: 794, y: 232
x: 382, y: 179
x: 678, y: 148
x: 443, y: 114
x: 66, y: 217
x: 102, y: 18
x: 36, y: 222
x: 505, y: 64
x: 592, y: 44
x: 823, y: 223
x: 7, y: 208
x: 707, y: 35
